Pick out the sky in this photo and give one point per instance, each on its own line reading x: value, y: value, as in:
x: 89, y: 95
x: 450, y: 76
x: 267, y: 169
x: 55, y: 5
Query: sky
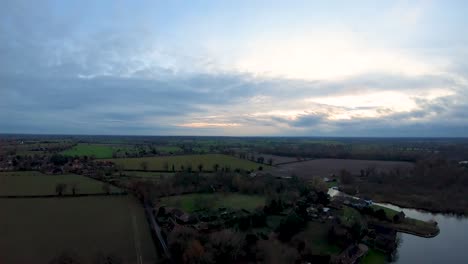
x: 234, y: 68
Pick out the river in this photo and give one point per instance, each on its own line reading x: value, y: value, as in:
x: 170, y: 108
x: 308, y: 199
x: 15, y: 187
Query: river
x: 449, y: 246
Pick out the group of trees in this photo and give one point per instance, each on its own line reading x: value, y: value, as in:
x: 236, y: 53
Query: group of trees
x: 433, y: 184
x: 71, y: 257
x: 188, y: 246
x: 185, y: 182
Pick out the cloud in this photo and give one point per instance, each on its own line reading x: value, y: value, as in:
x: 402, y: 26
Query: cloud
x: 62, y: 73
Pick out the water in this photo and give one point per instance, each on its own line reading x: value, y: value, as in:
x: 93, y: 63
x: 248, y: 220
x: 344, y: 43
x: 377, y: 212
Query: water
x: 449, y: 246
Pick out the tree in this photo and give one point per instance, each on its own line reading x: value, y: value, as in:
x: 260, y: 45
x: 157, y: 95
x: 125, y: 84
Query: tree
x: 66, y: 258
x: 58, y: 160
x: 60, y: 188
x: 346, y: 177
x: 74, y: 188
x: 144, y: 165
x: 290, y: 226
x: 380, y: 214
x: 226, y: 245
x: 107, y: 259
x: 106, y: 188
x: 398, y: 218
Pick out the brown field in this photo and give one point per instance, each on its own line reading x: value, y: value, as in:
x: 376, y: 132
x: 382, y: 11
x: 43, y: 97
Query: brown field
x: 327, y: 167
x: 36, y: 230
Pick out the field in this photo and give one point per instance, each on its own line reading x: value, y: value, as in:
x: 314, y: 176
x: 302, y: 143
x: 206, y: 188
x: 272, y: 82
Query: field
x: 374, y: 257
x: 207, y: 160
x: 36, y: 183
x: 36, y: 230
x: 96, y: 150
x: 327, y: 167
x: 193, y: 202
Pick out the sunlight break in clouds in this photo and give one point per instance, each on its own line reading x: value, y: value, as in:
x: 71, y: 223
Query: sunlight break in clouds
x: 326, y: 56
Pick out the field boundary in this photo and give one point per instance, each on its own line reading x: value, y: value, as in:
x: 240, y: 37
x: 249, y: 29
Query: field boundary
x: 62, y: 196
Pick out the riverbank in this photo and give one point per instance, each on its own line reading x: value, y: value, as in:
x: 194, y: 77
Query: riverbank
x: 405, y: 224
x: 417, y: 202
x: 412, y: 226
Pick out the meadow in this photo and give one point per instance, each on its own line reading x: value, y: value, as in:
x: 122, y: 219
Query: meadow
x: 35, y: 183
x: 193, y: 202
x: 36, y: 230
x: 96, y: 150
x: 207, y: 160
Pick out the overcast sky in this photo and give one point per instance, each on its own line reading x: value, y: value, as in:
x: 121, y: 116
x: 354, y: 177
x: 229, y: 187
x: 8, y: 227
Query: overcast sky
x: 273, y: 68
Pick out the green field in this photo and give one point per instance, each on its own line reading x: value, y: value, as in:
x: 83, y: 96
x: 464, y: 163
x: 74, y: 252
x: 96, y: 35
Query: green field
x: 96, y: 150
x: 350, y: 216
x: 36, y: 183
x: 207, y: 160
x: 35, y: 230
x: 374, y: 257
x: 193, y: 202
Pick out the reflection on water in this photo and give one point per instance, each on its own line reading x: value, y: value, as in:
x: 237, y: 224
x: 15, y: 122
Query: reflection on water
x: 450, y: 246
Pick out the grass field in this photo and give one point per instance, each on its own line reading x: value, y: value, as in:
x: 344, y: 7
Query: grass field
x: 374, y: 257
x: 96, y: 150
x: 207, y: 160
x: 350, y: 216
x: 36, y: 183
x: 326, y: 167
x: 35, y: 230
x: 193, y: 202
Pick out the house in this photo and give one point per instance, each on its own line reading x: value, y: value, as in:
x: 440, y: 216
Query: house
x: 351, y: 254
x: 181, y: 217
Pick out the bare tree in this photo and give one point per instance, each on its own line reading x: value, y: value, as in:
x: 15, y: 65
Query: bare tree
x: 60, y: 188
x: 66, y: 258
x: 144, y: 165
x: 106, y: 188
x: 74, y: 188
x: 107, y: 259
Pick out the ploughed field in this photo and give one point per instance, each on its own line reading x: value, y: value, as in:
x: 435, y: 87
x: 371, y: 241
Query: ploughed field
x: 208, y: 162
x: 30, y: 183
x: 37, y: 230
x: 327, y: 167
